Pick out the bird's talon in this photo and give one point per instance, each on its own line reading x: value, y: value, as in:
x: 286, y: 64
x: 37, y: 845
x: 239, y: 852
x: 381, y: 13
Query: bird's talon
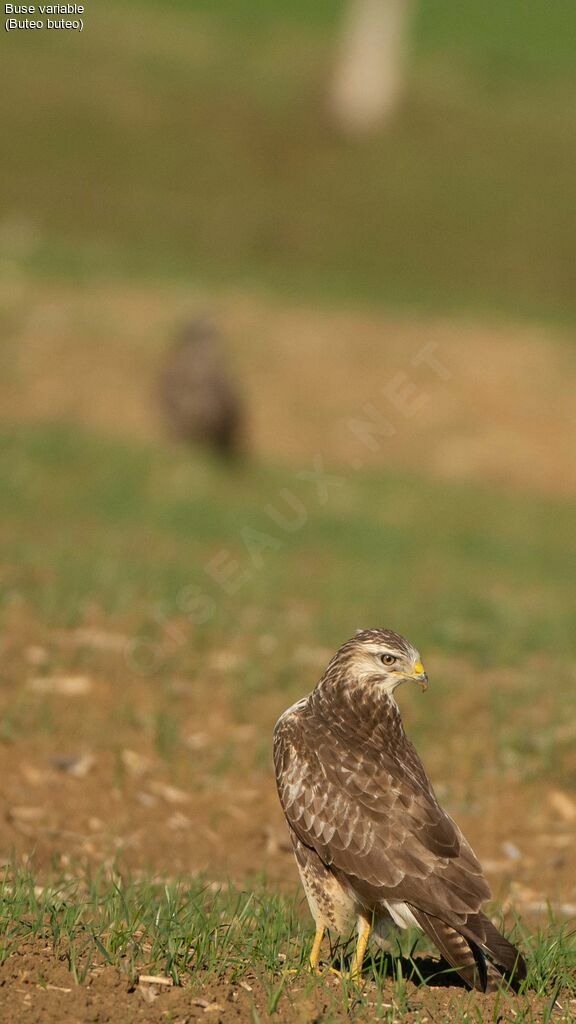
x: 321, y: 970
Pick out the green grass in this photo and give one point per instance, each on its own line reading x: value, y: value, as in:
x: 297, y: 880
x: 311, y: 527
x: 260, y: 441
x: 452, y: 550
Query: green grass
x: 195, y: 933
x: 194, y: 145
x: 143, y: 927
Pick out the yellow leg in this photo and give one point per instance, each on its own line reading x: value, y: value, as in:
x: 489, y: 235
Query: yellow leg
x: 315, y: 951
x: 358, y: 959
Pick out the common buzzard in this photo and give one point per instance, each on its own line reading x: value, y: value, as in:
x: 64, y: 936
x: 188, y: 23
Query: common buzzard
x: 373, y: 846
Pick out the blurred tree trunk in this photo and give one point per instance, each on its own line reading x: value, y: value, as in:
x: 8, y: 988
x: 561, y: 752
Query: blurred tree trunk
x: 369, y: 77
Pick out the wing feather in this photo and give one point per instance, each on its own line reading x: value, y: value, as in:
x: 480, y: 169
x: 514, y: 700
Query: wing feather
x: 371, y: 815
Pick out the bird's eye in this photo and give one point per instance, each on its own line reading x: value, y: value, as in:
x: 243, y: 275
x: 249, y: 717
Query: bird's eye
x: 388, y: 659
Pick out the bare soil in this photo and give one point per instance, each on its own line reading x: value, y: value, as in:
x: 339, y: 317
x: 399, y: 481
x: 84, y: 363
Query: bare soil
x: 108, y: 997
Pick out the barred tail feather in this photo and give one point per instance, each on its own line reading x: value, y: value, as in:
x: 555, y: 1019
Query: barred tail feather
x: 461, y: 953
x: 503, y: 953
x: 467, y: 948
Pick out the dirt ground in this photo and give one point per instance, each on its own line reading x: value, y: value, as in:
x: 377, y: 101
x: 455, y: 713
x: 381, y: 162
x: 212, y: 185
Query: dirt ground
x: 108, y: 998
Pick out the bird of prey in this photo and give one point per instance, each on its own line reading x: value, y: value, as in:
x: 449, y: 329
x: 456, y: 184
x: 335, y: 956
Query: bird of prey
x: 197, y: 393
x: 373, y: 846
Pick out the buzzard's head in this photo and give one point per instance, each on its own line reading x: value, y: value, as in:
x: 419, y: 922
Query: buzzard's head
x: 385, y: 658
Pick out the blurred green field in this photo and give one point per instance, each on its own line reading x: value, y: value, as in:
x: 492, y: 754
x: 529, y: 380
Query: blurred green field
x: 132, y: 533
x: 133, y: 527
x: 181, y: 140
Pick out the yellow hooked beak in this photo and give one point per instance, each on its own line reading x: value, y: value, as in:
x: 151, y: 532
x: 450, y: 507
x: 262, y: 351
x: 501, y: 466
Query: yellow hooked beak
x: 419, y: 676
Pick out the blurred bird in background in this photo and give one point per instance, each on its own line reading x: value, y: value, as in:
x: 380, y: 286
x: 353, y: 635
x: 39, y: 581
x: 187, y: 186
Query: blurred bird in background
x: 198, y: 396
